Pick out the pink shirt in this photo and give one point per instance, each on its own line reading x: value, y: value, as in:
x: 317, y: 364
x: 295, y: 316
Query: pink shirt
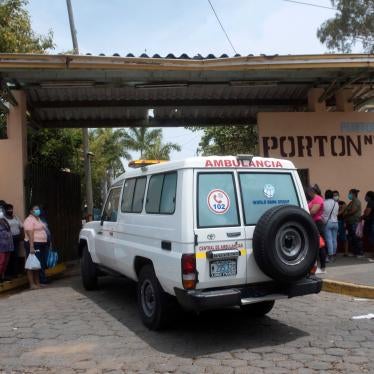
x: 317, y: 200
x: 33, y: 224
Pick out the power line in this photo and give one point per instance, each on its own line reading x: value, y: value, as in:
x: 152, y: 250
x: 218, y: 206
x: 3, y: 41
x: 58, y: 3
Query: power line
x: 309, y: 4
x: 223, y: 29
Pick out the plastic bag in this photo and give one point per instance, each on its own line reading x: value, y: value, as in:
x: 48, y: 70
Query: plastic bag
x: 52, y: 259
x: 360, y: 229
x: 32, y: 262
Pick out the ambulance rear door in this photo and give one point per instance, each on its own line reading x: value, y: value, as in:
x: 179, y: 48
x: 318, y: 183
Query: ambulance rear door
x: 220, y: 235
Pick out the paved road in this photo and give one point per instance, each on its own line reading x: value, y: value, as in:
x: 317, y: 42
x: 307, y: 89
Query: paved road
x: 63, y: 329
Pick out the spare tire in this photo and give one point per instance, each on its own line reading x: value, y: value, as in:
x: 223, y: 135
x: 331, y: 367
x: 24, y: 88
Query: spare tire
x: 285, y: 243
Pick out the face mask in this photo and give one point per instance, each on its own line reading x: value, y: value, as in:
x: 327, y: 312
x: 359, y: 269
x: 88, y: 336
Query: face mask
x: 36, y: 212
x: 1, y: 214
x: 336, y: 198
x: 366, y: 199
x: 350, y: 196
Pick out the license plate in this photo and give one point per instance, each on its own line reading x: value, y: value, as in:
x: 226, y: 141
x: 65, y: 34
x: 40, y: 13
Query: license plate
x: 224, y: 268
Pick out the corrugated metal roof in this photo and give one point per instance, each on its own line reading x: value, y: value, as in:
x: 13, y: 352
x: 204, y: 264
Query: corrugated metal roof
x: 92, y: 91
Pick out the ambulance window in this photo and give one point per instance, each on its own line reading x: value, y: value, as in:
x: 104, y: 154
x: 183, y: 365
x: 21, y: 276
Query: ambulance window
x: 137, y: 204
x: 262, y: 191
x: 216, y: 202
x: 161, y: 194
x: 169, y: 189
x: 111, y: 206
x: 128, y: 193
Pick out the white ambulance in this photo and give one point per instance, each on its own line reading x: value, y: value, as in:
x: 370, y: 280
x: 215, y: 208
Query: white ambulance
x: 205, y: 232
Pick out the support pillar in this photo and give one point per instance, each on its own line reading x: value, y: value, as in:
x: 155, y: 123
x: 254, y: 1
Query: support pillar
x: 314, y: 105
x: 342, y: 100
x: 13, y: 156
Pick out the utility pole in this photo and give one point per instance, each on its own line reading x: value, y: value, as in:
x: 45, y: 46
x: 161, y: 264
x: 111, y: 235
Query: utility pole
x: 86, y: 153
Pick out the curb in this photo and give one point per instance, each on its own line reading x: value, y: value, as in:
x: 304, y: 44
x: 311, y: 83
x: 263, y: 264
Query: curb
x: 22, y: 281
x: 350, y: 289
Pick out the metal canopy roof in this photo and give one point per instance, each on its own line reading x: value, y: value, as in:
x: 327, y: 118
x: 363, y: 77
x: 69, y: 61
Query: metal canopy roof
x: 99, y: 91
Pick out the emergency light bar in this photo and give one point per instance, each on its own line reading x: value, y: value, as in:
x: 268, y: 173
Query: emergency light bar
x: 244, y: 157
x: 143, y: 163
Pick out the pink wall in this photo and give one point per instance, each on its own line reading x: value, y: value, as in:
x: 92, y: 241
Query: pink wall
x: 13, y: 157
x: 337, y: 147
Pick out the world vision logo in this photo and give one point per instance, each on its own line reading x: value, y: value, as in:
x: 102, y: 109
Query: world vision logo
x: 312, y: 146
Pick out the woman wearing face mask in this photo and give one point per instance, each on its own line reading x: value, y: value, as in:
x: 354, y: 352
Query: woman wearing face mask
x: 368, y: 217
x: 315, y: 206
x: 16, y: 230
x: 6, y: 244
x: 36, y: 242
x: 330, y: 219
x: 352, y: 216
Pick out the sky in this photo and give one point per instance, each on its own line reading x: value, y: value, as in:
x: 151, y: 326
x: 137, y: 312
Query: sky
x: 183, y: 26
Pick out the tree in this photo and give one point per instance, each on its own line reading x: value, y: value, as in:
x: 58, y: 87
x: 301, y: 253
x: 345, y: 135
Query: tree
x: 160, y: 151
x: 58, y: 148
x: 108, y: 148
x: 228, y: 140
x: 353, y: 24
x: 140, y: 139
x: 17, y: 36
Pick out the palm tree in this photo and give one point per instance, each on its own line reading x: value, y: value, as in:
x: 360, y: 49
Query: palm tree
x: 159, y: 151
x: 140, y: 139
x: 109, y: 148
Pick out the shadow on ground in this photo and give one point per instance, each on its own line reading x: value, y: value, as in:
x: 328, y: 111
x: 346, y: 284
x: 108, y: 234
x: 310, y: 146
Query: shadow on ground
x: 190, y: 335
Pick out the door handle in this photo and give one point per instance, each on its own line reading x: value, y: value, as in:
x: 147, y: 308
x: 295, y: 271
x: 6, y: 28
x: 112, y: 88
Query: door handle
x: 99, y: 233
x: 166, y: 245
x: 233, y: 234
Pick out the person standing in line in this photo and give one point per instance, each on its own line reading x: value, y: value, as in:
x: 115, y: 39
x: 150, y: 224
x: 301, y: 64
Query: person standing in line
x: 16, y: 230
x: 368, y: 218
x: 315, y: 206
x: 6, y: 245
x: 330, y: 220
x: 342, y: 236
x: 36, y: 242
x: 352, y: 216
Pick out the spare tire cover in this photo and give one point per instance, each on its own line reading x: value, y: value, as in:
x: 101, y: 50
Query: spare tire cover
x: 285, y: 243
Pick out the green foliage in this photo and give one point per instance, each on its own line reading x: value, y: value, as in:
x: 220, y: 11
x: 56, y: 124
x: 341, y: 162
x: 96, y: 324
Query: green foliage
x: 149, y: 143
x: 16, y: 35
x: 59, y: 148
x: 141, y: 138
x: 108, y: 148
x: 353, y: 24
x: 160, y: 151
x: 228, y: 140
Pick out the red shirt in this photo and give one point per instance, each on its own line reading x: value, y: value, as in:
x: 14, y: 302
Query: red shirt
x: 317, y: 200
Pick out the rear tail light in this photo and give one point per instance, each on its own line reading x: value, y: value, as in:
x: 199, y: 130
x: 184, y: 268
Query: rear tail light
x: 189, y: 275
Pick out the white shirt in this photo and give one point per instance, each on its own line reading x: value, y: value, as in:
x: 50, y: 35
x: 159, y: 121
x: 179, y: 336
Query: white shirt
x: 15, y: 225
x: 330, y: 206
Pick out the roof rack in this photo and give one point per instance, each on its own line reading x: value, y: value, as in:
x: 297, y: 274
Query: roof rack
x: 143, y: 163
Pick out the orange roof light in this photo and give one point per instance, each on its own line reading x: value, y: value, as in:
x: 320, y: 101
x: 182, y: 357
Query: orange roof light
x: 143, y: 163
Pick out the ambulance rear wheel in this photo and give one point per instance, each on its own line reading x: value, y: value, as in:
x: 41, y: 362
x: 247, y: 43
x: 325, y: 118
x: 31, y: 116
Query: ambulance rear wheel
x: 154, y: 305
x: 258, y: 309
